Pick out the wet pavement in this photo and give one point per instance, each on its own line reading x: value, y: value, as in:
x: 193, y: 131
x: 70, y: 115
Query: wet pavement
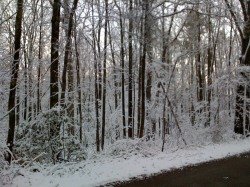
x: 233, y: 171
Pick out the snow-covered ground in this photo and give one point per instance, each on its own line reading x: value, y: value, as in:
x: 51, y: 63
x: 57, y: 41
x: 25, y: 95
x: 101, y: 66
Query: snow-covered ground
x: 102, y: 170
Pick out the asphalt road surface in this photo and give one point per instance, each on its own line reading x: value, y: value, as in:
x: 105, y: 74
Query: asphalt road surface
x: 234, y: 171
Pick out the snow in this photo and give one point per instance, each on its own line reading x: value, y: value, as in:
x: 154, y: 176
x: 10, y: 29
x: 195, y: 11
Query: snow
x: 102, y: 170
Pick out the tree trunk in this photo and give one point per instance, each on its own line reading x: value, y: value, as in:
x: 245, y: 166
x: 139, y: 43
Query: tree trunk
x: 14, y: 77
x: 209, y: 66
x: 78, y: 83
x: 96, y: 85
x: 122, y: 71
x: 104, y: 74
x: 198, y: 61
x: 139, y: 85
x: 40, y: 56
x: 130, y: 73
x: 54, y: 76
x: 143, y: 68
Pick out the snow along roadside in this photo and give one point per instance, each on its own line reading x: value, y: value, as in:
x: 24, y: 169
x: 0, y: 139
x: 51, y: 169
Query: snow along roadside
x: 107, y: 170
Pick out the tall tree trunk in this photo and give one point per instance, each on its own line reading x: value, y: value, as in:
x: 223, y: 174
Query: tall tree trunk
x: 54, y: 76
x: 198, y: 62
x: 104, y: 74
x: 98, y: 44
x: 115, y: 72
x: 130, y: 73
x: 143, y: 67
x: 140, y: 84
x: 54, y: 54
x: 40, y: 56
x: 14, y: 77
x: 209, y: 66
x: 229, y: 67
x: 68, y: 68
x: 96, y: 84
x: 25, y: 112
x: 148, y: 39
x: 79, y: 90
x: 122, y: 56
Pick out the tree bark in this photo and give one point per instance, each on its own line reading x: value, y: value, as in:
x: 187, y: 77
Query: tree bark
x: 96, y: 85
x: 104, y: 74
x: 130, y: 73
x: 79, y: 90
x: 14, y: 77
x: 54, y: 75
x: 143, y: 68
x: 122, y: 56
x: 40, y: 56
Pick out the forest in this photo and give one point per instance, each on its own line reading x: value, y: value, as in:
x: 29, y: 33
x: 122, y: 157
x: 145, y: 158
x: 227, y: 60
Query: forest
x: 80, y: 79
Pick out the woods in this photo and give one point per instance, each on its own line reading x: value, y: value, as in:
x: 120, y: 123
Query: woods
x: 79, y: 76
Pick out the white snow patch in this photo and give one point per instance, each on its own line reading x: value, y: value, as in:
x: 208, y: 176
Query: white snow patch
x: 100, y: 171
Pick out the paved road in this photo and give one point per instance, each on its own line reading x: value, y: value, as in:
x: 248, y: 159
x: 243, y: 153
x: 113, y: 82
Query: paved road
x: 233, y: 171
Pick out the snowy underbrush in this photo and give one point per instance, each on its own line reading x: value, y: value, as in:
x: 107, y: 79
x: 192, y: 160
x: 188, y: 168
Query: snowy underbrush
x: 194, y: 135
x: 128, y: 148
x: 110, y: 166
x: 33, y: 141
x: 4, y: 166
x: 3, y: 151
x: 198, y: 135
x: 122, y: 157
x: 3, y: 148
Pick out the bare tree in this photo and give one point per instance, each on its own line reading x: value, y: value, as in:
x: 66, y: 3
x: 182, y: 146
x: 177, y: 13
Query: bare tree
x: 54, y: 76
x: 14, y: 77
x: 104, y: 92
x: 130, y: 73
